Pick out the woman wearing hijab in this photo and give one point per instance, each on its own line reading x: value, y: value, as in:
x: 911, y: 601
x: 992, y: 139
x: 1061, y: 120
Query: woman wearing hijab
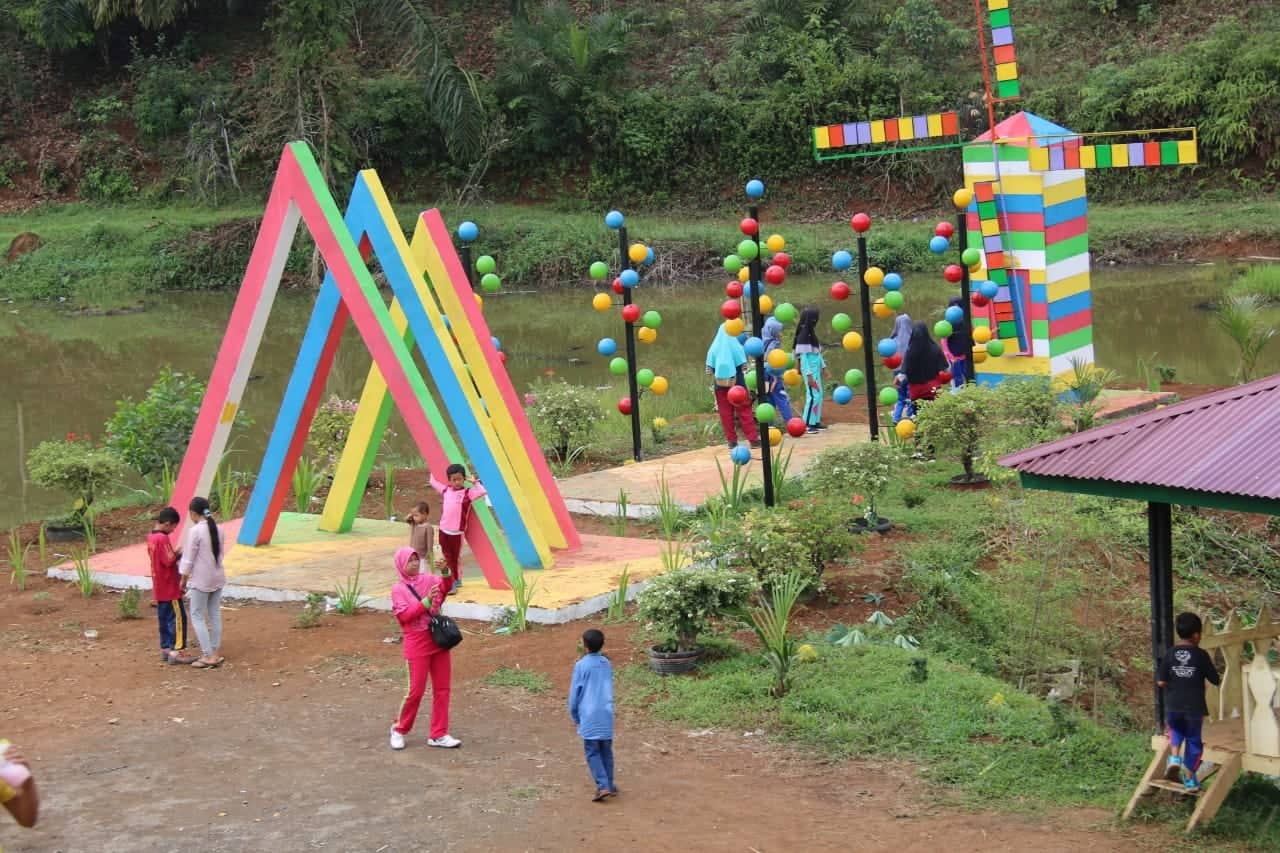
x: 725, y: 362
x: 808, y: 353
x: 414, y: 600
x: 957, y: 346
x: 777, y: 394
x: 902, y: 336
x: 922, y: 364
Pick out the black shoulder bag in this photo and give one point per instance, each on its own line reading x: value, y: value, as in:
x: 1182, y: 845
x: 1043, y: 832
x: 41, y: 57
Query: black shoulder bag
x: 444, y: 631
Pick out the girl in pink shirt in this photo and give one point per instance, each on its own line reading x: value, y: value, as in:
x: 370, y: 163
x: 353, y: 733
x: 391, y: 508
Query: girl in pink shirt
x: 414, y: 600
x: 454, y: 516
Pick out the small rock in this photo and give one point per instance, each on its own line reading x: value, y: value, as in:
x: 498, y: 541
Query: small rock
x: 113, y: 721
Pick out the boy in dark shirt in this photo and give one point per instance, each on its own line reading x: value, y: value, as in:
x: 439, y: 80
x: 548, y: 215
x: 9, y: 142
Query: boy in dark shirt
x: 1183, y: 672
x: 166, y: 589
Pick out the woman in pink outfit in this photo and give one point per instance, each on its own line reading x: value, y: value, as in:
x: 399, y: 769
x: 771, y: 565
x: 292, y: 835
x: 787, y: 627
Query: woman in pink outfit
x: 414, y: 600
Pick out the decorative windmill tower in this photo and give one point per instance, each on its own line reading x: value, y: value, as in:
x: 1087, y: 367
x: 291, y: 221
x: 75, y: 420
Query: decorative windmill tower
x: 1029, y: 213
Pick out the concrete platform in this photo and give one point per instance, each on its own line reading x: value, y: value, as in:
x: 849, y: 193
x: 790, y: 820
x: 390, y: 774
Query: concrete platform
x: 302, y: 560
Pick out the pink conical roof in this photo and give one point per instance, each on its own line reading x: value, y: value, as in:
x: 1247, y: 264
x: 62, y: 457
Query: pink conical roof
x: 1024, y: 124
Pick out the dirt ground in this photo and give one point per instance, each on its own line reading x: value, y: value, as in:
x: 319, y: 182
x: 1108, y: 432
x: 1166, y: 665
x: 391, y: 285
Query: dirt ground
x: 285, y: 748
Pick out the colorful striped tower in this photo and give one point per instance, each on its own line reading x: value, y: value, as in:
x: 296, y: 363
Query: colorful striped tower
x: 1032, y: 226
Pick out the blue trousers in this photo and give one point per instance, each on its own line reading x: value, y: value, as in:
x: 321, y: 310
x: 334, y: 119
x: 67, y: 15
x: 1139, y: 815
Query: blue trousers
x: 781, y: 402
x: 600, y: 762
x: 1184, y: 728
x: 959, y: 372
x: 904, y: 407
x: 173, y: 624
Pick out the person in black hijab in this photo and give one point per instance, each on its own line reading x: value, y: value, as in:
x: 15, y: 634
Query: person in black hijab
x: 957, y: 346
x: 922, y: 364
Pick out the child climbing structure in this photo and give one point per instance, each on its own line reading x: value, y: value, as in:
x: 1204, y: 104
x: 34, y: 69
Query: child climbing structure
x: 528, y: 517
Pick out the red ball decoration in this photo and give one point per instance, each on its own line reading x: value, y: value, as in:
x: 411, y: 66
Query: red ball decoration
x: 738, y: 395
x: 733, y: 289
x: 617, y: 286
x: 979, y: 301
x: 944, y: 229
x: 730, y: 309
x: 750, y: 227
x: 893, y: 362
x: 782, y: 259
x: 839, y: 291
x: 624, y: 405
x: 860, y: 222
x: 775, y: 274
x: 796, y: 427
x: 944, y: 376
x: 953, y: 273
x: 502, y: 356
x: 631, y: 313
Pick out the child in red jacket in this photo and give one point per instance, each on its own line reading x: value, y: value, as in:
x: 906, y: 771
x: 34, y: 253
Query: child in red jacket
x: 166, y: 589
x: 414, y: 600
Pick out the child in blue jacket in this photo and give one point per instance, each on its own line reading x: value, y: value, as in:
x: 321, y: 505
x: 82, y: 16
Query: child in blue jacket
x: 591, y: 707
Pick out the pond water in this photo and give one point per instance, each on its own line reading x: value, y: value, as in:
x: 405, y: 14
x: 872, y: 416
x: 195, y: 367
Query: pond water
x: 61, y: 373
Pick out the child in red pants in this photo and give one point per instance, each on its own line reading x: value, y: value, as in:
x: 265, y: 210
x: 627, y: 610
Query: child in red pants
x: 455, y: 512
x: 414, y: 601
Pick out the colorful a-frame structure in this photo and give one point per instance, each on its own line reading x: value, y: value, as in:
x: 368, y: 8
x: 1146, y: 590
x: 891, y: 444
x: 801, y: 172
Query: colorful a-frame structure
x: 528, y: 516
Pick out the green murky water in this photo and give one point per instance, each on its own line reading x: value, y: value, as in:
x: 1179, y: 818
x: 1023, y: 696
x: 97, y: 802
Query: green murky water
x: 62, y: 373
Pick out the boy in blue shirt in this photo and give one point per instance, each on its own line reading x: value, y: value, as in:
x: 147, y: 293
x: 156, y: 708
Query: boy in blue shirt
x: 591, y: 707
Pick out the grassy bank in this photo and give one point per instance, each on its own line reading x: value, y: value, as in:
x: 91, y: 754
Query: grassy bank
x: 101, y: 257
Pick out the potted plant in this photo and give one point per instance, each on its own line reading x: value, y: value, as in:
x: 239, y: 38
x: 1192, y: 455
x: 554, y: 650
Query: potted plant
x: 79, y: 467
x: 683, y: 604
x: 870, y: 467
x: 953, y: 424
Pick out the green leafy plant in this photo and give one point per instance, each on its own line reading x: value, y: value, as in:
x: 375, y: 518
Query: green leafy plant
x: 84, y: 575
x: 226, y: 490
x: 562, y: 464
x: 670, y: 515
x: 1240, y: 317
x: 307, y: 480
x: 618, y: 601
x: 75, y: 466
x: 682, y: 604
x: 312, y: 610
x: 351, y: 593
x: 330, y: 428
x: 43, y: 544
x: 1088, y: 381
x: 164, y: 481
x: 778, y: 474
x: 1150, y: 376
x: 522, y: 593
x: 620, y: 514
x: 771, y: 619
x: 87, y: 522
x: 864, y: 469
x: 733, y: 489
x: 156, y: 429
x: 388, y: 490
x: 18, y: 559
x: 564, y: 413
x: 128, y: 604
x: 954, y: 424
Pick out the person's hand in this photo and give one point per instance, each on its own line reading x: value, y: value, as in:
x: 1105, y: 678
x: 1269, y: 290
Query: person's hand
x: 14, y: 756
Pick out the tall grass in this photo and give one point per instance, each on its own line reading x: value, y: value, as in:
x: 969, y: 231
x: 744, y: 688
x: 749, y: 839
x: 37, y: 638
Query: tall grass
x: 771, y: 619
x: 778, y: 474
x: 351, y: 593
x: 618, y: 603
x: 522, y: 591
x: 620, y: 514
x: 733, y: 489
x: 1262, y: 281
x: 226, y: 490
x: 388, y: 490
x: 88, y: 522
x: 307, y: 480
x: 18, y: 559
x: 1240, y: 318
x: 84, y: 575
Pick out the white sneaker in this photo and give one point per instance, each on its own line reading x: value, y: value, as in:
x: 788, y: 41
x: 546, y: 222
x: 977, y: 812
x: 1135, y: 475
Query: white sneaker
x: 446, y: 742
x: 397, y: 739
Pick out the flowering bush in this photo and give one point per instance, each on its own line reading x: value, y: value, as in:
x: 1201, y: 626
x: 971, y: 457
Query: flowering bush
x: 564, y: 413
x: 771, y: 543
x: 330, y: 428
x: 74, y: 465
x: 682, y: 604
x: 861, y: 469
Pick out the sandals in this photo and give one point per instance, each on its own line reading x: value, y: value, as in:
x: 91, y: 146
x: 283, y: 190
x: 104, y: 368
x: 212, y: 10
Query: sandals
x: 201, y: 663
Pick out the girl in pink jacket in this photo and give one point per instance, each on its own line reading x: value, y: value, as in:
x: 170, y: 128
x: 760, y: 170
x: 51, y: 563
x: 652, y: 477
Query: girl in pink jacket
x: 414, y: 600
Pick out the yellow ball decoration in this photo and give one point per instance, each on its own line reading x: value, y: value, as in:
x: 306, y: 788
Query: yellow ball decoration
x: 979, y: 354
x: 777, y: 358
x: 659, y: 423
x: 905, y: 428
x: 981, y: 334
x: 659, y: 386
x: 776, y: 243
x: 852, y: 341
x: 602, y: 302
x: 962, y: 198
x: 792, y: 378
x: 647, y: 335
x: 766, y: 304
x: 638, y: 252
x: 734, y: 327
x: 479, y: 299
x: 744, y: 274
x: 881, y: 310
x: 775, y: 436
x: 874, y: 276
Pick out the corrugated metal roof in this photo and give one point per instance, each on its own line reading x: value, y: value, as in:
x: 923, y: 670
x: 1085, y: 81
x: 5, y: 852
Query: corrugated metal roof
x: 1227, y: 442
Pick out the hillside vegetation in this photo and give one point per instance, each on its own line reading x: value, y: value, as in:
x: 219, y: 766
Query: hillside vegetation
x: 647, y: 103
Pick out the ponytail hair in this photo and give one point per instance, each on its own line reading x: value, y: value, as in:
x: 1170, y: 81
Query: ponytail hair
x: 200, y: 506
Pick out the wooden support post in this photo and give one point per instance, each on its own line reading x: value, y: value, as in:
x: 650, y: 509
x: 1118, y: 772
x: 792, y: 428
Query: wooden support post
x: 1213, y: 798
x: 1155, y: 770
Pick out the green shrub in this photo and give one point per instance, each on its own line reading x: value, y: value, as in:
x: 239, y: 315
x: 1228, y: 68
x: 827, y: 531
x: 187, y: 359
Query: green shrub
x: 564, y: 413
x: 955, y: 424
x: 685, y: 603
x: 862, y: 469
x: 75, y: 466
x: 155, y: 430
x: 330, y: 428
x: 771, y: 543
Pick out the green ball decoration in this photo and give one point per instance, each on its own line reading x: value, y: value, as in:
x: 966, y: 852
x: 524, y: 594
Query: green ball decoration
x: 888, y: 395
x: 645, y: 377
x: 784, y: 313
x: 732, y: 263
x: 748, y: 250
x: 750, y: 379
x: 491, y: 283
x: 841, y: 323
x: 765, y: 413
x: 893, y: 299
x: 995, y: 347
x: 618, y: 366
x: 970, y: 256
x: 853, y: 377
x: 599, y: 270
x: 651, y: 319
x: 486, y: 264
x: 791, y: 362
x: 942, y: 329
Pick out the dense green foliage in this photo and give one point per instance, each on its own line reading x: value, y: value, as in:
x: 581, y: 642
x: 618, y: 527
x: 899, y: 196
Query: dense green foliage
x: 153, y: 432
x: 75, y: 466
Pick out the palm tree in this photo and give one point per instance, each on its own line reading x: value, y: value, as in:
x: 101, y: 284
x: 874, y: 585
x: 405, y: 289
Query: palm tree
x: 1240, y: 317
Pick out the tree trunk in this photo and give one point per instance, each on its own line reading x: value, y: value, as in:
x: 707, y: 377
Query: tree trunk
x: 967, y: 461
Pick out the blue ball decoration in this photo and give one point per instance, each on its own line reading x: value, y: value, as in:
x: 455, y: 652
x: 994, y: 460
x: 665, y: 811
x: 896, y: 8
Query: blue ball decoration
x: 629, y: 278
x: 747, y: 287
x: 754, y: 347
x: 614, y: 219
x: 648, y: 255
x: 743, y: 337
x: 954, y: 314
x: 775, y: 371
x: 841, y: 260
x: 740, y: 455
x: 468, y: 231
x: 892, y: 281
x: 497, y: 344
x: 989, y: 289
x: 842, y: 395
x: 887, y: 347
x: 939, y: 244
x: 755, y: 188
x: 607, y: 347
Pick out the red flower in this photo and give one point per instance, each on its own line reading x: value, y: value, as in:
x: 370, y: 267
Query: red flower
x: 857, y: 499
x: 71, y: 436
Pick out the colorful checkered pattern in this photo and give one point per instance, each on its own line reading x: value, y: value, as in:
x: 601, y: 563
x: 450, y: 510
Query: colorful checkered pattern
x: 1045, y: 156
x: 1003, y: 51
x: 903, y: 129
